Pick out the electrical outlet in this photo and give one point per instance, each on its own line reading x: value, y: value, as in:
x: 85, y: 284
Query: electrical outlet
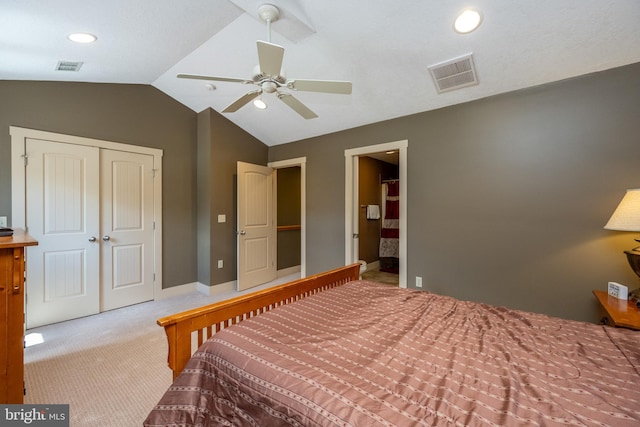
x: 418, y: 282
x: 3, y: 221
x: 220, y: 263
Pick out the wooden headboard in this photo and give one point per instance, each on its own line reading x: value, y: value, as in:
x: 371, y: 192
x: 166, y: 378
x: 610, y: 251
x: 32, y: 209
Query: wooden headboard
x: 205, y: 321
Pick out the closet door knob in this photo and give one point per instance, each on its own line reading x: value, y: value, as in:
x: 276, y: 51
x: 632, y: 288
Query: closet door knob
x: 106, y: 238
x: 92, y: 239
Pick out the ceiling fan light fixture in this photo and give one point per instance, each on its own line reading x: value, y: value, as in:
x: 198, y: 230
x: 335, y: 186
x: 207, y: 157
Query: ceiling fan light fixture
x: 467, y: 21
x: 269, y: 87
x: 259, y: 104
x: 82, y: 37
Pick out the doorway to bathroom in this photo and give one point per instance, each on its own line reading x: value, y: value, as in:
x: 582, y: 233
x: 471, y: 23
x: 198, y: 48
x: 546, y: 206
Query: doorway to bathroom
x: 378, y: 214
x: 375, y: 210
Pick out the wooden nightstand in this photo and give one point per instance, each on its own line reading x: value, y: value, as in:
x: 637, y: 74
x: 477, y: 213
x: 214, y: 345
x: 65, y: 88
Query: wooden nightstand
x: 618, y: 312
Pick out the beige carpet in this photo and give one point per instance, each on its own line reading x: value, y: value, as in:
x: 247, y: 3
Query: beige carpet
x: 110, y: 368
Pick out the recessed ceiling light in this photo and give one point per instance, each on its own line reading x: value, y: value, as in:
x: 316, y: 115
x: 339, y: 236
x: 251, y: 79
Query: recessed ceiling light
x: 467, y: 21
x: 82, y: 37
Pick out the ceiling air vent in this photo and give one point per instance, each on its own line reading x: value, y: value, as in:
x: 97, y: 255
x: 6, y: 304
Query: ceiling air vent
x: 68, y: 66
x: 454, y: 74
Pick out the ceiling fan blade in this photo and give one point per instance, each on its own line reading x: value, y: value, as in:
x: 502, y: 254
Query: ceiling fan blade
x: 213, y: 78
x: 328, y: 86
x: 270, y: 58
x: 296, y: 105
x: 242, y: 101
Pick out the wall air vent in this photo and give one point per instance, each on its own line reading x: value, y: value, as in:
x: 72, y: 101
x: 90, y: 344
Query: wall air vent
x: 68, y: 66
x: 454, y: 74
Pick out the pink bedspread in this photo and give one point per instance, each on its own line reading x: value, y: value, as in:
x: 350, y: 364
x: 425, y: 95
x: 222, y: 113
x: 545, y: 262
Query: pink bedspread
x: 365, y: 354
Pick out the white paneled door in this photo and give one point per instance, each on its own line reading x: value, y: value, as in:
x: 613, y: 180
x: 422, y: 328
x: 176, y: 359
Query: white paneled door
x: 256, y: 226
x: 63, y: 214
x: 91, y: 211
x: 127, y: 228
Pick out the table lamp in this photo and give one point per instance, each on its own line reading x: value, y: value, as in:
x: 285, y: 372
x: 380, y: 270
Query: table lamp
x: 626, y: 217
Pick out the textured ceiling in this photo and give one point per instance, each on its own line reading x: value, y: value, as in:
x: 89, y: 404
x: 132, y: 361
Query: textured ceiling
x: 383, y: 47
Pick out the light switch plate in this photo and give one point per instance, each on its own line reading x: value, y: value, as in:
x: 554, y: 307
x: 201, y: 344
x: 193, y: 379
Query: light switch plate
x: 3, y: 221
x: 222, y: 218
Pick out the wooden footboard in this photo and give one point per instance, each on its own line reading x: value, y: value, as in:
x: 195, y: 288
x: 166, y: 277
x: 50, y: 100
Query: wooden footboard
x: 206, y: 321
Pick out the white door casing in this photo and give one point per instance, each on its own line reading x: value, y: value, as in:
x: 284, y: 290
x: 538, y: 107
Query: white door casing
x: 63, y: 215
x: 256, y: 226
x: 126, y: 228
x: 300, y: 162
x: 351, y: 203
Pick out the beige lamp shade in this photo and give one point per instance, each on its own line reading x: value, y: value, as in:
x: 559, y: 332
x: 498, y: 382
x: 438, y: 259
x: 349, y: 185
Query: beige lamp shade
x: 626, y: 217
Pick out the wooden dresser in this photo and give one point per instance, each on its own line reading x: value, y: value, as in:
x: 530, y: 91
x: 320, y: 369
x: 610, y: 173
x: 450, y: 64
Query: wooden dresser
x: 12, y: 315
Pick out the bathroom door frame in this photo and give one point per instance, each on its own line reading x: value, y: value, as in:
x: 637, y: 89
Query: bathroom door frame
x: 300, y: 162
x: 352, y: 207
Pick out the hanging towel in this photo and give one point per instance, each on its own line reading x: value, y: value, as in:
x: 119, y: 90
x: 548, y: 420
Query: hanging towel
x: 390, y: 233
x: 373, y: 212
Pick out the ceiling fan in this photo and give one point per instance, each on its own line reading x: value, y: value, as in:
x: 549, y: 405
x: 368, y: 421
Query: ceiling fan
x: 270, y: 78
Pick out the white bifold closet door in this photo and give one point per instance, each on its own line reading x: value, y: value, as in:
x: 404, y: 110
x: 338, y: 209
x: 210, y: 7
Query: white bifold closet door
x: 91, y: 210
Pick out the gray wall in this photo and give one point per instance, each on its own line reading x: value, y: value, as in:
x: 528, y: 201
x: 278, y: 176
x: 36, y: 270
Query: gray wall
x: 204, y: 193
x: 131, y: 114
x: 507, y: 196
x: 229, y: 144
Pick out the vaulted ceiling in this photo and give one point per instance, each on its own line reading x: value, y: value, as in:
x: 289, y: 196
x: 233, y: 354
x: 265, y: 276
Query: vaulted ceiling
x: 385, y: 48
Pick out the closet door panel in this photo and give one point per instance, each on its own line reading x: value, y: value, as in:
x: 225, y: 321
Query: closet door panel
x: 63, y: 215
x: 127, y: 228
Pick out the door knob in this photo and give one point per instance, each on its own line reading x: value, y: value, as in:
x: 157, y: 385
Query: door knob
x: 242, y: 233
x: 106, y: 238
x: 92, y: 239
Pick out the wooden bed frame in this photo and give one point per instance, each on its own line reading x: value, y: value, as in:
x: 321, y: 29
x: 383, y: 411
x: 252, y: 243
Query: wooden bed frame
x: 206, y: 321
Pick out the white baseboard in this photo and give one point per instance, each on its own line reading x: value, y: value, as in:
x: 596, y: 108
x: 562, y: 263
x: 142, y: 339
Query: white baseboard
x: 288, y: 271
x: 375, y: 265
x: 189, y: 288
x: 221, y: 288
x: 175, y: 291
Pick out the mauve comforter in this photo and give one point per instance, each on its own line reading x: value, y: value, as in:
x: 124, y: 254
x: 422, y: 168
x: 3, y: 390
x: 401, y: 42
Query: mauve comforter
x: 365, y: 354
